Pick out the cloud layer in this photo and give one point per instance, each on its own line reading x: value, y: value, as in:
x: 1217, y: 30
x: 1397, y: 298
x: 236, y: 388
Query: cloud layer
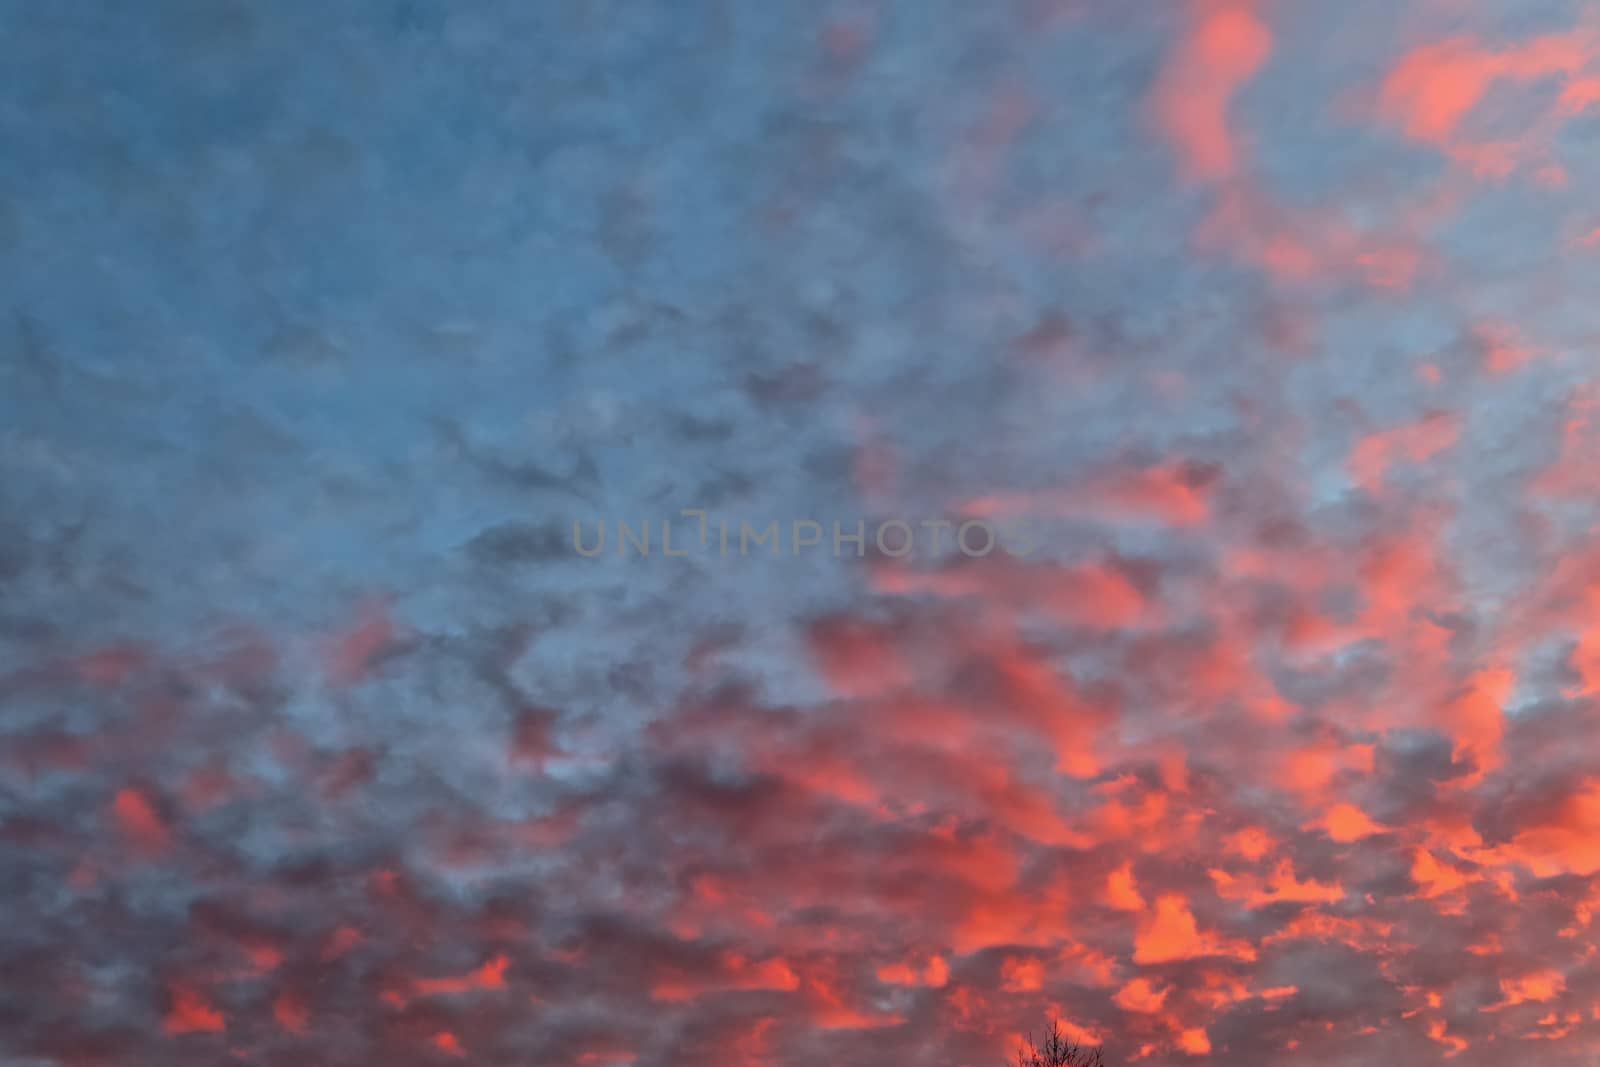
x: 319, y: 742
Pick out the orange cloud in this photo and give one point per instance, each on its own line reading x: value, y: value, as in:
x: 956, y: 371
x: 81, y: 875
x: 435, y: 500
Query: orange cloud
x: 1121, y: 892
x: 1346, y: 822
x: 1538, y: 986
x: 1434, y: 88
x: 1415, y: 442
x: 191, y: 1013
x: 1218, y: 55
x: 140, y: 820
x: 1171, y: 933
x: 1141, y: 995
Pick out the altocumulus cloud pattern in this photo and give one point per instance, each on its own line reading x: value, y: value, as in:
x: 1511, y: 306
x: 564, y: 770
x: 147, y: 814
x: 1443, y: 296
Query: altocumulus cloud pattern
x: 323, y: 323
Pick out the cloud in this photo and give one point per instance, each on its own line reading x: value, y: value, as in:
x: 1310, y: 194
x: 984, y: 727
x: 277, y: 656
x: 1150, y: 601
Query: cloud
x: 1267, y: 323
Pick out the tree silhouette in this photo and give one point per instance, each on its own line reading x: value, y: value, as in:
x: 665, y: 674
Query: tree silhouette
x: 1057, y: 1051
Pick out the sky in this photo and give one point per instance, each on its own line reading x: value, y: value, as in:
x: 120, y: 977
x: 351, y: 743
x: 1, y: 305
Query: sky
x: 1246, y: 345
